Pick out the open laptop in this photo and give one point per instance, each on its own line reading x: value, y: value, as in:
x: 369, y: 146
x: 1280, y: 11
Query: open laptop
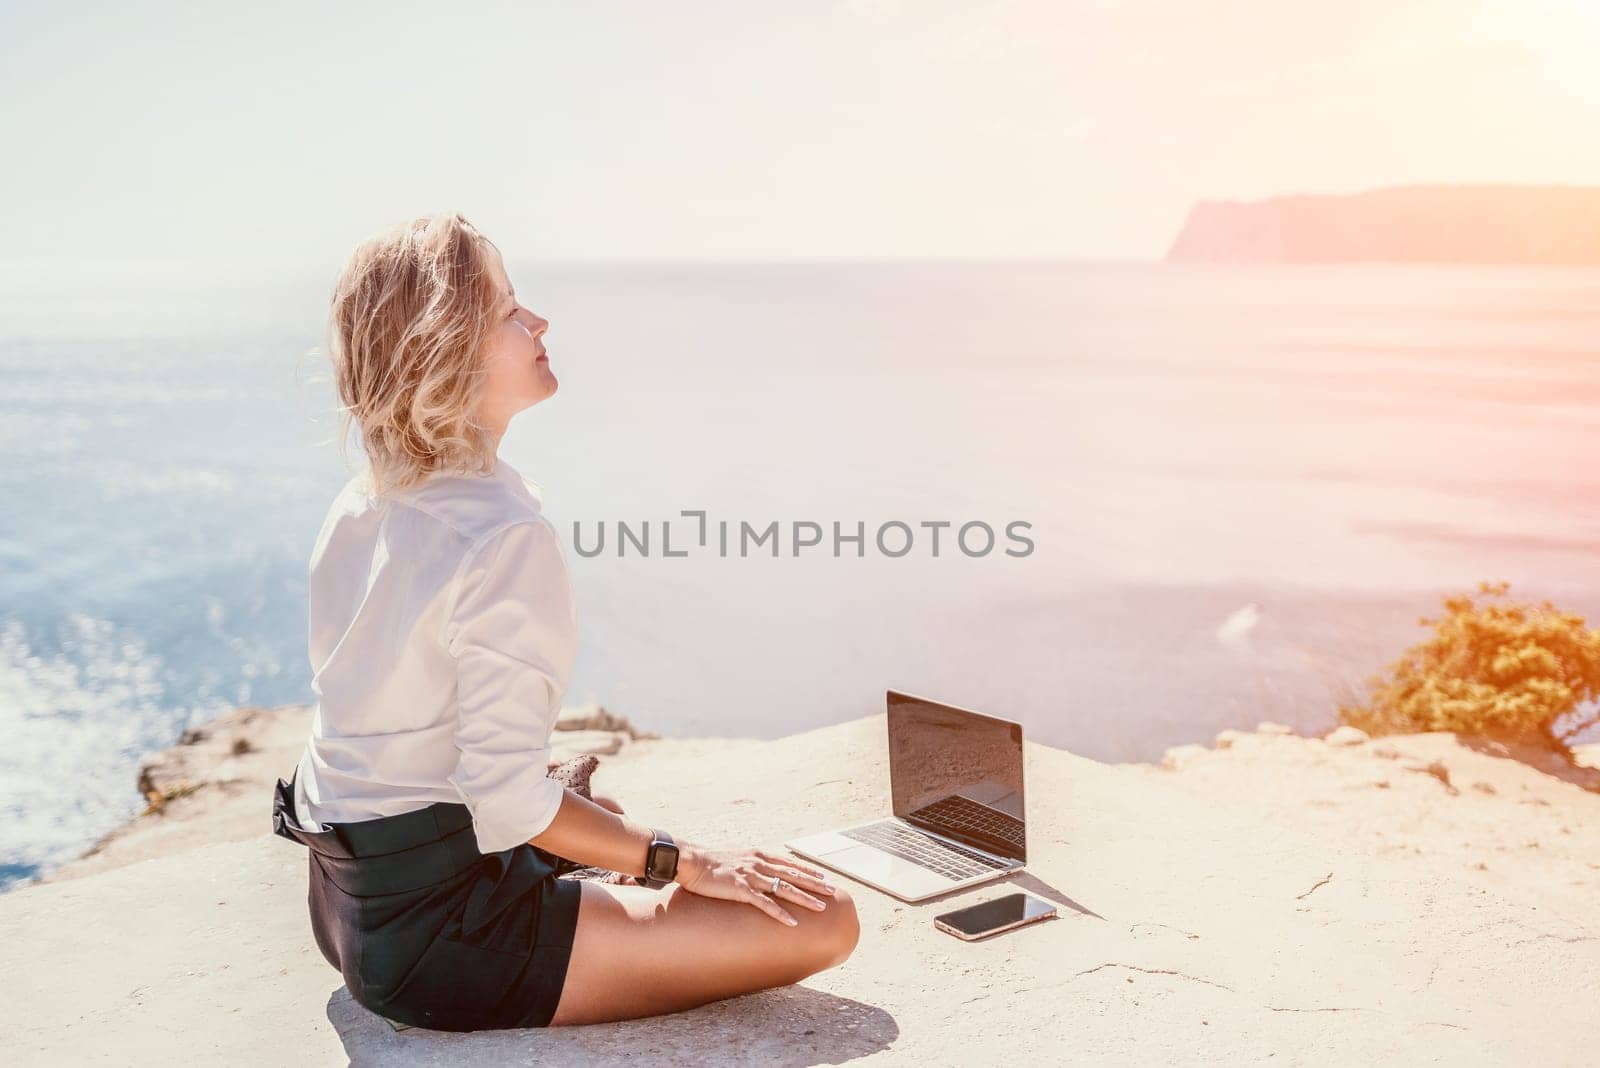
x: 955, y: 777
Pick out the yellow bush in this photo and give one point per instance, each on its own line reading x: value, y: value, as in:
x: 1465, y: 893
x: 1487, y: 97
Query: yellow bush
x: 1515, y: 672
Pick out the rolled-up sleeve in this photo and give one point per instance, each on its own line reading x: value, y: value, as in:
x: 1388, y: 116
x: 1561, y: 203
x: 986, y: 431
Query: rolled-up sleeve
x: 513, y: 633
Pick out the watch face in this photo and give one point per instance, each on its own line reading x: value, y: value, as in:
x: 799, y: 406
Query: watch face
x: 663, y: 861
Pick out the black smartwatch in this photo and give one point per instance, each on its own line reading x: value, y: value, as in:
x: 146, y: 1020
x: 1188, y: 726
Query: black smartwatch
x: 661, y: 862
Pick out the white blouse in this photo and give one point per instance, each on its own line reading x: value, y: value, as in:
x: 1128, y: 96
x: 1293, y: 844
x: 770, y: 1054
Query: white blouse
x: 443, y: 632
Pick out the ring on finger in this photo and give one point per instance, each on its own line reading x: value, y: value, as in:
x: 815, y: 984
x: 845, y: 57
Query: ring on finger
x: 776, y: 882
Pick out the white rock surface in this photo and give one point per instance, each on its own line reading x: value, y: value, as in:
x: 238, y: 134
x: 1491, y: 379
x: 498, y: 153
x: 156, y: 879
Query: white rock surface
x: 1230, y: 738
x: 1264, y: 905
x: 1344, y: 735
x: 1179, y: 756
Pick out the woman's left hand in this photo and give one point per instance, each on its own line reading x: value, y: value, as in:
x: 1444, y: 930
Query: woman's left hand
x: 747, y: 875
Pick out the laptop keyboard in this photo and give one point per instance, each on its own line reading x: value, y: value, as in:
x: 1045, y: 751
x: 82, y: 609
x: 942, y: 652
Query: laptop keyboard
x: 924, y: 850
x: 965, y: 814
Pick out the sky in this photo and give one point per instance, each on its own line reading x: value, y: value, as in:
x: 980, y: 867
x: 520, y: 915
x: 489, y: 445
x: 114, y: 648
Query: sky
x: 241, y: 141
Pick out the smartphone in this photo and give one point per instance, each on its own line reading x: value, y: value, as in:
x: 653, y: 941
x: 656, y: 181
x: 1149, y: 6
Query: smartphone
x: 992, y: 917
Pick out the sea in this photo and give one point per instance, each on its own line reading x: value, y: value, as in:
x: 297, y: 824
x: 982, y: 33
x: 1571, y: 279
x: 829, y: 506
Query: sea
x: 1127, y: 504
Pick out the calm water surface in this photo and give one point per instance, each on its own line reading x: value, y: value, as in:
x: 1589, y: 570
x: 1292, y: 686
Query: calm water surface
x: 1243, y: 487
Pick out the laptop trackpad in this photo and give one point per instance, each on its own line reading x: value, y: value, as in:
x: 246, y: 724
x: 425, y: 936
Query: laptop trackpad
x: 874, y: 865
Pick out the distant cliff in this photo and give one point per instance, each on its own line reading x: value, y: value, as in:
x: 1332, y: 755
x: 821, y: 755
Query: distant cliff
x: 1554, y: 225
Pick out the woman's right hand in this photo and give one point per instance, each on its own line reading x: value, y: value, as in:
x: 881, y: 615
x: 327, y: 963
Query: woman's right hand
x: 746, y: 875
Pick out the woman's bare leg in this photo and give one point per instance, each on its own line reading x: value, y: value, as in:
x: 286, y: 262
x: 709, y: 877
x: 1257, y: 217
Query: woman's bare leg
x: 642, y: 952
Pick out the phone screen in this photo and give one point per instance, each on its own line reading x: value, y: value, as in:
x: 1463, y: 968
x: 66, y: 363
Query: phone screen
x: 977, y: 920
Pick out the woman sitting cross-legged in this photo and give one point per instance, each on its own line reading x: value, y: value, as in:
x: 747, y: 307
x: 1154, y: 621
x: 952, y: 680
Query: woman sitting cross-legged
x: 443, y: 634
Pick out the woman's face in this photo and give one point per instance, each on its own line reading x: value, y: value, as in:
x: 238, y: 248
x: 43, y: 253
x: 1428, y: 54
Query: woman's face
x: 516, y: 367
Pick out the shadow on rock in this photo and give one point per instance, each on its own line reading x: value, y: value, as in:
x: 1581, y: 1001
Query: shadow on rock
x: 1540, y: 758
x: 1022, y: 880
x: 792, y: 1025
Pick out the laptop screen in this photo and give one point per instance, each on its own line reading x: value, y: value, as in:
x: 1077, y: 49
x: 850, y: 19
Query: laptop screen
x: 957, y: 773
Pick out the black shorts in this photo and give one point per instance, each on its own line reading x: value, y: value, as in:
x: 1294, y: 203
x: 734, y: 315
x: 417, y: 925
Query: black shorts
x: 430, y: 932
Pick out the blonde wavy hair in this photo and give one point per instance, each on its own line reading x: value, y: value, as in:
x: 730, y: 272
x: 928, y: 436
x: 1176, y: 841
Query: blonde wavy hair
x: 409, y: 322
